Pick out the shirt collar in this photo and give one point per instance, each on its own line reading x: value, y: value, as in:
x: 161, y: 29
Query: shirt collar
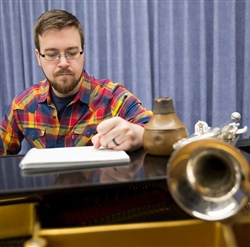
x: 85, y: 89
x: 45, y: 92
x: 83, y: 94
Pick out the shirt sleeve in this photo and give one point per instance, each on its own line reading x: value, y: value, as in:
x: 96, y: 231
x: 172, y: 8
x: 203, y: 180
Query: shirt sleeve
x: 10, y: 136
x: 131, y: 109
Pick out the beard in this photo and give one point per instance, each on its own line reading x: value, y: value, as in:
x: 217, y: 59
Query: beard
x: 64, y: 85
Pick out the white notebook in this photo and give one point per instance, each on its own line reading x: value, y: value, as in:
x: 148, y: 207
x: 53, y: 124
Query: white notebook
x: 72, y: 157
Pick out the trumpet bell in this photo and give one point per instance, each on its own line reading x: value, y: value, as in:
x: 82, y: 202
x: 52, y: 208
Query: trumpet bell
x: 209, y: 178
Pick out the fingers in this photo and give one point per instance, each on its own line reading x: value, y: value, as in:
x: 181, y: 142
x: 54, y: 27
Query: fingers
x: 96, y: 141
x: 105, y: 140
x: 114, y: 141
x: 110, y: 134
x: 107, y: 125
x: 117, y: 133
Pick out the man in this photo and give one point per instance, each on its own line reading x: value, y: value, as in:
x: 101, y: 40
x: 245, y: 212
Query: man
x: 70, y: 107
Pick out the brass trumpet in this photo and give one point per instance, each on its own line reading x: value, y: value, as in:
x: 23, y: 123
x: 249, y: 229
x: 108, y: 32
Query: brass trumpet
x: 207, y: 175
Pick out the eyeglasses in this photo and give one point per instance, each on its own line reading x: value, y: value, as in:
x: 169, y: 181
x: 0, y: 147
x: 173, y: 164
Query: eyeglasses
x: 56, y: 56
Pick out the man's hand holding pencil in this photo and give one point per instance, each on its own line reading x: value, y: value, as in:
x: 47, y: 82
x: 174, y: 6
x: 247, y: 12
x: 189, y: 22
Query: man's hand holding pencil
x: 117, y: 133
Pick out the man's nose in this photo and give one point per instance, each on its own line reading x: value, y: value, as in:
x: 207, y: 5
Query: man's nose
x: 63, y: 61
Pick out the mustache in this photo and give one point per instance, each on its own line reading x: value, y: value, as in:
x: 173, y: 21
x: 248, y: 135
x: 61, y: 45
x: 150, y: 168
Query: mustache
x: 64, y: 71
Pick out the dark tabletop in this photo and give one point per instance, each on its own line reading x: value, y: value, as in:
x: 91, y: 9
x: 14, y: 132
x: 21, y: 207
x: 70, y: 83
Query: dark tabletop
x: 15, y: 182
x: 143, y: 168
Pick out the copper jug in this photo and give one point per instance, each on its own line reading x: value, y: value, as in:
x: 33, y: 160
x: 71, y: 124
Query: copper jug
x: 163, y: 129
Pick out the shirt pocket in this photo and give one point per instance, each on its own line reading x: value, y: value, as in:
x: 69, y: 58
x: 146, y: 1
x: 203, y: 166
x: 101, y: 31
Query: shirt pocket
x: 36, y: 137
x: 82, y: 134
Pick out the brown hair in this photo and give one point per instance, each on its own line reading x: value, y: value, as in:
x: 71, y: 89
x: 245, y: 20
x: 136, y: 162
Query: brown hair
x: 56, y: 19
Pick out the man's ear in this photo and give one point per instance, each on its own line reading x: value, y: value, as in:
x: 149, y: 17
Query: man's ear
x: 38, y: 57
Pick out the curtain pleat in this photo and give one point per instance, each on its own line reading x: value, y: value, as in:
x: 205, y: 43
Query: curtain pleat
x: 244, y: 69
x: 196, y: 52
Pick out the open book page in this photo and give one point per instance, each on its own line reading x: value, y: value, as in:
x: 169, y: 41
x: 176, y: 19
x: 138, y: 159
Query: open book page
x: 71, y: 157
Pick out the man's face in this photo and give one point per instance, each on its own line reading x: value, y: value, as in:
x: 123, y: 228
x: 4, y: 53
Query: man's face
x: 64, y: 75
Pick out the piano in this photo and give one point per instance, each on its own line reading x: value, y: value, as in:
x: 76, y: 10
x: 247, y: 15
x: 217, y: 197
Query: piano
x: 113, y: 206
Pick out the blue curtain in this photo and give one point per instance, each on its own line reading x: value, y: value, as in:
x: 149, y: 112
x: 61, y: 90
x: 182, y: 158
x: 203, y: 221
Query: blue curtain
x: 195, y: 51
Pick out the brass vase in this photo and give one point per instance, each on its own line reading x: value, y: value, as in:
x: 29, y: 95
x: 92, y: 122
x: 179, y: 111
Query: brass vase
x: 163, y: 129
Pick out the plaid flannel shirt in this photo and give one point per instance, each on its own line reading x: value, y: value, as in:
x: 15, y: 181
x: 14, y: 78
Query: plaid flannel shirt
x: 32, y: 115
